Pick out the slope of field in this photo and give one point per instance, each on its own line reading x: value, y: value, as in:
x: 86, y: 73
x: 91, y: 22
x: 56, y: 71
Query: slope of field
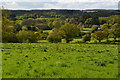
x: 46, y: 60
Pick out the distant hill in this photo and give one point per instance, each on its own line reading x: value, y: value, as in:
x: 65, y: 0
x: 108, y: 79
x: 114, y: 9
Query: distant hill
x: 63, y: 13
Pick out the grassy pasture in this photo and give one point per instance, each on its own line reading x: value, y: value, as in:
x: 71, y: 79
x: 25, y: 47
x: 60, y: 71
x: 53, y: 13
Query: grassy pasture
x: 47, y: 60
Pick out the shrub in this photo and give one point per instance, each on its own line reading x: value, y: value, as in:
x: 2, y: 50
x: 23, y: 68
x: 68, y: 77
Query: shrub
x: 26, y: 36
x: 99, y: 35
x: 69, y: 31
x: 8, y: 37
x: 86, y: 37
x: 54, y: 36
x: 94, y: 28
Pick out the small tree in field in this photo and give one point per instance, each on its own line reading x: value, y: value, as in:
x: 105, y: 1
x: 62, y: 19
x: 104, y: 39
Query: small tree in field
x: 26, y: 36
x: 99, y: 35
x: 69, y: 31
x: 54, y: 36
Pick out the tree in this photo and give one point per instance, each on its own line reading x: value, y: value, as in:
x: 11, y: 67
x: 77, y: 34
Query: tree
x: 28, y: 22
x: 105, y: 26
x: 106, y: 34
x: 86, y: 37
x: 54, y: 36
x: 69, y: 31
x: 56, y: 24
x: 102, y: 20
x: 113, y: 19
x: 74, y: 21
x: 99, y: 35
x: 42, y: 26
x: 89, y: 21
x: 5, y: 21
x: 50, y: 24
x: 115, y: 31
x: 26, y: 36
x: 9, y: 37
x: 8, y: 30
x: 94, y: 28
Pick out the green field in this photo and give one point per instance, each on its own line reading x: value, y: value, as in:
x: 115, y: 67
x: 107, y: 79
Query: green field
x: 47, y: 60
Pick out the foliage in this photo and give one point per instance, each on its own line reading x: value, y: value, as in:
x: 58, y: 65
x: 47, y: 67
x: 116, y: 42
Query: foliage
x: 102, y: 20
x: 69, y: 31
x: 86, y: 37
x: 26, y: 36
x: 106, y: 34
x: 115, y: 31
x: 54, y: 36
x: 99, y: 35
x: 89, y: 21
x: 105, y: 26
x: 50, y: 24
x: 94, y: 28
x: 113, y: 19
x: 9, y: 37
x: 56, y: 24
x: 28, y: 22
x: 42, y: 26
x: 86, y: 21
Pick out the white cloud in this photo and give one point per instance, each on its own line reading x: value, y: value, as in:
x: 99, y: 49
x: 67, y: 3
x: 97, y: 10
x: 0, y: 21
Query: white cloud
x: 12, y: 5
x: 81, y: 5
x: 61, y: 5
x: 59, y: 0
x: 51, y: 6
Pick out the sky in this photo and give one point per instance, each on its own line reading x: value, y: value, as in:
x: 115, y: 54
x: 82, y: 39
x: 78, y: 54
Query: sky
x: 59, y: 4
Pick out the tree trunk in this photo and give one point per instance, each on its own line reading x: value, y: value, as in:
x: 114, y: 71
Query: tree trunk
x: 67, y: 41
x: 99, y: 40
x: 115, y: 39
x: 107, y: 40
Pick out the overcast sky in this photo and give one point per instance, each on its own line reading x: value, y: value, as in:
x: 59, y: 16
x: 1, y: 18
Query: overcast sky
x: 59, y: 4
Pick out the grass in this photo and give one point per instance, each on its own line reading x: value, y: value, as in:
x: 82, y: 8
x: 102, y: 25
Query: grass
x: 87, y: 29
x: 47, y: 60
x: 46, y: 31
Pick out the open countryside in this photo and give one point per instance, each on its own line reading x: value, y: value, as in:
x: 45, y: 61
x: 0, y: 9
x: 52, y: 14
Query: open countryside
x: 60, y: 43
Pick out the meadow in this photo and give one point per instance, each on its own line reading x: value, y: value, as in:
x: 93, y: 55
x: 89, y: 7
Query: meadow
x: 59, y: 60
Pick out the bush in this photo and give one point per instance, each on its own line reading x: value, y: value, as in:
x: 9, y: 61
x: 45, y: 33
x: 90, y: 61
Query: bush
x: 54, y: 36
x: 44, y: 36
x: 99, y: 35
x: 94, y: 28
x: 86, y: 37
x: 9, y: 37
x: 26, y: 36
x: 69, y: 31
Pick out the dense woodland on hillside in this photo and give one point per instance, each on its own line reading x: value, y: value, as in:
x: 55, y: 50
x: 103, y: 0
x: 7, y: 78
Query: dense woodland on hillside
x: 21, y: 26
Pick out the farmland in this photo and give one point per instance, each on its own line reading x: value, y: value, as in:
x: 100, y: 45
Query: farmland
x: 60, y: 43
x: 59, y: 60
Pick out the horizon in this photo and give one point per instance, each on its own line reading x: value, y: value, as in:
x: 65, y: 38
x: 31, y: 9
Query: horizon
x: 61, y: 9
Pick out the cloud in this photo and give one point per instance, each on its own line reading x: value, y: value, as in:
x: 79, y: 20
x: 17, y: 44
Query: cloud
x: 51, y: 6
x: 82, y: 5
x: 12, y: 5
x: 58, y: 0
x: 61, y: 5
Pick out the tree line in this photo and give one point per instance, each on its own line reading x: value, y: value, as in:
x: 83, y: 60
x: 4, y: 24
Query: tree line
x: 31, y: 29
